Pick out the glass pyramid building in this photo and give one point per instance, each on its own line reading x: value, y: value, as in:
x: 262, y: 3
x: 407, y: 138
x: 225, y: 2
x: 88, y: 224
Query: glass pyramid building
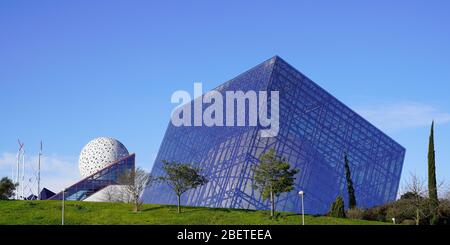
x: 316, y: 131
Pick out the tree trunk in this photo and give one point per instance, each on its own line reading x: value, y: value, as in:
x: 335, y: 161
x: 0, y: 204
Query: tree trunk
x: 417, y: 217
x: 178, y: 208
x: 136, y: 203
x: 272, y: 204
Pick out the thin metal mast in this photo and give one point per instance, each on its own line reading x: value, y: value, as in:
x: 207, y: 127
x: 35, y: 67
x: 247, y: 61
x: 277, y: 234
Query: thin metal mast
x: 23, y: 174
x: 12, y: 173
x: 19, y: 154
x: 39, y: 173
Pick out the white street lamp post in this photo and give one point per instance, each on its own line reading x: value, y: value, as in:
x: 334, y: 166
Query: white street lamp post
x: 302, y: 193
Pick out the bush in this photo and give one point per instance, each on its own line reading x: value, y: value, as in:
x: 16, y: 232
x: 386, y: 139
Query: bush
x: 7, y: 188
x: 444, y: 212
x: 405, y: 209
x: 400, y: 210
x: 408, y: 222
x: 355, y: 213
x: 376, y: 213
x: 337, y: 209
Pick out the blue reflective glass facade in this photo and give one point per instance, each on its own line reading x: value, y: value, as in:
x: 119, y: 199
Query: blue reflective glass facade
x: 316, y: 130
x: 97, y: 181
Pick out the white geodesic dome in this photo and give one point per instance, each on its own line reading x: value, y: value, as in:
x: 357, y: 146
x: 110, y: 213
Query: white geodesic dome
x: 99, y: 153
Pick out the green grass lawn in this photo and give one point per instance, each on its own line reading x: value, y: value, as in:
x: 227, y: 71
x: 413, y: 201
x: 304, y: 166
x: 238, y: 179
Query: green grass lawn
x: 49, y: 213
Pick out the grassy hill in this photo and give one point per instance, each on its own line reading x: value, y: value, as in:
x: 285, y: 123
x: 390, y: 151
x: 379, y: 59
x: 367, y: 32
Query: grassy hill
x: 49, y: 213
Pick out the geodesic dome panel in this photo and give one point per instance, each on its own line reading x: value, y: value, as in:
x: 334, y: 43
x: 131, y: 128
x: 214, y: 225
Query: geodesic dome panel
x: 99, y: 153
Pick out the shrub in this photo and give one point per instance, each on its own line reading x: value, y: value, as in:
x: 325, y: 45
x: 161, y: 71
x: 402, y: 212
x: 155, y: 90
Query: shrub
x: 403, y: 209
x: 444, y: 212
x: 406, y: 210
x: 337, y: 209
x: 7, y: 188
x: 355, y: 213
x: 408, y: 222
x: 376, y: 213
x: 400, y: 210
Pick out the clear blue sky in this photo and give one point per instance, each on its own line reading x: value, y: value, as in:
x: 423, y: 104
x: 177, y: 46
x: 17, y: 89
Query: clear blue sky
x: 71, y: 71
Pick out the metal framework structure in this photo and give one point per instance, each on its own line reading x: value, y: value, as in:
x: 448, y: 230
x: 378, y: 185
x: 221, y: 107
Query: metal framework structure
x: 316, y: 131
x: 27, y: 175
x: 20, y: 176
x: 97, y: 181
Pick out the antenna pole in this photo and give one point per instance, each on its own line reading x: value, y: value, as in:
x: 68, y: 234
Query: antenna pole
x: 39, y: 174
x: 12, y: 173
x: 17, y: 173
x: 23, y: 174
x: 19, y: 154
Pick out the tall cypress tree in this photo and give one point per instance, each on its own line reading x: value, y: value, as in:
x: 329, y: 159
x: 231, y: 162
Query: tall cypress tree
x: 432, y: 186
x: 350, y: 189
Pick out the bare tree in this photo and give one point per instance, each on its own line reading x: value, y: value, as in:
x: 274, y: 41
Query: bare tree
x: 133, y: 183
x: 115, y: 193
x: 415, y: 191
x: 109, y: 194
x: 443, y: 189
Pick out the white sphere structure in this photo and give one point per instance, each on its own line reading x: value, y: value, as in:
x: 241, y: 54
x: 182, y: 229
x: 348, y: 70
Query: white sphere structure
x: 99, y: 153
